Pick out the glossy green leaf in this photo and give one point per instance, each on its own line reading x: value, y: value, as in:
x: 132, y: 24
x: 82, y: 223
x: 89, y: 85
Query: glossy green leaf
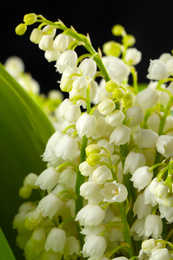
x: 5, y: 250
x: 24, y: 131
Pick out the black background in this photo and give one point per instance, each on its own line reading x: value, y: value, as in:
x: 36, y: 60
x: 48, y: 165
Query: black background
x: 150, y: 22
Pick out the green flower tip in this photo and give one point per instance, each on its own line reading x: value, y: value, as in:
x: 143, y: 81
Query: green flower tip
x: 30, y: 18
x: 21, y: 29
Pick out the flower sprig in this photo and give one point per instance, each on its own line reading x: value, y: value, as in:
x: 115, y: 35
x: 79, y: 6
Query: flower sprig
x: 107, y: 188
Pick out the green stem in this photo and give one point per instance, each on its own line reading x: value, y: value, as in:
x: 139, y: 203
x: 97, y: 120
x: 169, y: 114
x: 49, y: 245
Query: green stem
x: 126, y: 230
x: 83, y: 39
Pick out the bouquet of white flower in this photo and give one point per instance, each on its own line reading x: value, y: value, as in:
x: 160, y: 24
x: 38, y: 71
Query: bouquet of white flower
x: 107, y: 190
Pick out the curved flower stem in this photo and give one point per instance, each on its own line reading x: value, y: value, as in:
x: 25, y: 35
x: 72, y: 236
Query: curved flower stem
x: 81, y: 38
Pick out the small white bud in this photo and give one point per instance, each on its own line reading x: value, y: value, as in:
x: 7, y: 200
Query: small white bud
x: 46, y: 42
x: 106, y: 106
x: 61, y: 42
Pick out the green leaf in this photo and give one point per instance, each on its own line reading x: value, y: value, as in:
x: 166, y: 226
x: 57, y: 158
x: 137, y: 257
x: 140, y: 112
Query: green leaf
x: 5, y: 250
x: 24, y: 131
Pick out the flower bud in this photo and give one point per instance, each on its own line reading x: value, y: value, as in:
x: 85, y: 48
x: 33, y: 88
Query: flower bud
x: 86, y: 169
x: 21, y: 29
x: 61, y: 42
x: 46, y: 42
x: 161, y: 191
x: 133, y: 56
x: 80, y: 83
x: 101, y: 174
x: 32, y: 219
x: 118, y: 30
x: 92, y: 148
x: 25, y: 192
x: 30, y: 18
x: 30, y: 180
x: 114, y: 119
x: 128, y: 40
x: 148, y: 245
x: 106, y: 106
x: 36, y: 35
x: 112, y: 48
x: 118, y: 93
x: 93, y: 159
x: 67, y: 84
x: 111, y: 85
x: 128, y: 100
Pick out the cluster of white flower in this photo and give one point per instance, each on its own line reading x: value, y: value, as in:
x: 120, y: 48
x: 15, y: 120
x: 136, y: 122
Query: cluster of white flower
x: 108, y: 181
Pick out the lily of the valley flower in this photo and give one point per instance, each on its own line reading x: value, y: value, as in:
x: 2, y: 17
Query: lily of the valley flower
x: 90, y: 215
x: 142, y: 177
x: 164, y: 145
x: 86, y: 125
x: 114, y: 192
x: 56, y: 240
x: 95, y: 246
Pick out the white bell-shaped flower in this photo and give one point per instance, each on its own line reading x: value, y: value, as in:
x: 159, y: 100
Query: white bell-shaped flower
x: 86, y: 169
x: 56, y: 240
x: 114, y: 192
x: 50, y: 205
x: 61, y: 42
x: 142, y: 177
x: 160, y: 254
x: 88, y: 68
x: 80, y: 83
x: 106, y: 106
x: 120, y: 135
x: 166, y: 212
x: 115, y: 118
x: 140, y: 208
x: 133, y: 56
x: 145, y: 138
x: 101, y: 174
x: 48, y: 179
x: 148, y: 245
x: 36, y: 35
x: 116, y: 68
x: 137, y: 229
x: 153, y: 226
x: 49, y: 153
x: 147, y: 98
x: 66, y: 147
x: 164, y: 145
x: 95, y: 247
x: 135, y: 114
x: 86, y: 125
x: 72, y: 248
x: 14, y: 65
x: 46, y: 42
x: 133, y: 161
x: 91, y: 191
x: 90, y: 215
x: 157, y: 70
x: 66, y: 61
